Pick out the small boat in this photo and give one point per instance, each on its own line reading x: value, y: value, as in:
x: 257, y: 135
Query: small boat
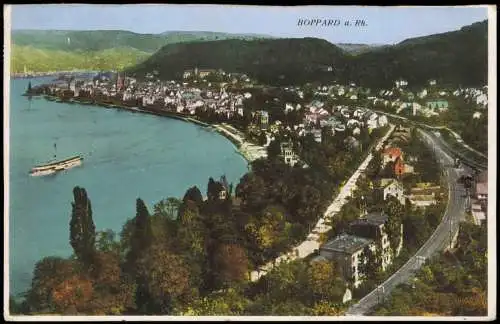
x: 56, y: 166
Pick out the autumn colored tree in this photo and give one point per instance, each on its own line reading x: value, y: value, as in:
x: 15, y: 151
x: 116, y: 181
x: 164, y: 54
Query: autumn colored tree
x: 49, y: 273
x: 231, y: 264
x: 82, y: 228
x: 327, y: 308
x: 166, y: 278
x: 324, y: 282
x: 72, y: 296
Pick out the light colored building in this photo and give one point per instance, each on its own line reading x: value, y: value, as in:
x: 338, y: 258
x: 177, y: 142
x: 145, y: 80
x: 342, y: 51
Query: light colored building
x: 373, y: 227
x: 346, y: 251
x: 287, y: 153
x: 390, y: 187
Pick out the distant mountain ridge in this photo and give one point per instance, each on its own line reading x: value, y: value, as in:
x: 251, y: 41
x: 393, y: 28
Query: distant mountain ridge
x: 455, y: 58
x: 356, y: 49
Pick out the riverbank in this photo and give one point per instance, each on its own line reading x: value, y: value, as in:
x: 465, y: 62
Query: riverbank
x: 249, y: 151
x: 22, y: 75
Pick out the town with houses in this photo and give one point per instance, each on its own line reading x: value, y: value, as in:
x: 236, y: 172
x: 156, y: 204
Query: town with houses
x: 224, y: 95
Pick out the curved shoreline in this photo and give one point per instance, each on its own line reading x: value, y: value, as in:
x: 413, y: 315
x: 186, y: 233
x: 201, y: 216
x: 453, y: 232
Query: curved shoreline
x: 247, y: 150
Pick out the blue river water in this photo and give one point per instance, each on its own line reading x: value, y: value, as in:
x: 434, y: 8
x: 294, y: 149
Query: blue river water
x: 126, y: 156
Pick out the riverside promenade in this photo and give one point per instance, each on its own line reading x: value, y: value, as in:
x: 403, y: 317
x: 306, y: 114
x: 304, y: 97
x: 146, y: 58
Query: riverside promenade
x: 312, y: 242
x: 250, y: 152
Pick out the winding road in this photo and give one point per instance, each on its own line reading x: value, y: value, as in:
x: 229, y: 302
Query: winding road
x: 439, y: 240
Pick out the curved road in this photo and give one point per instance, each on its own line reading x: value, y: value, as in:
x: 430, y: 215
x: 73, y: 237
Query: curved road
x: 438, y: 241
x: 481, y: 160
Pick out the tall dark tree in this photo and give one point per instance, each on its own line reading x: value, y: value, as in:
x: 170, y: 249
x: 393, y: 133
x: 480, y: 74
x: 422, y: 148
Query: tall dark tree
x: 212, y: 192
x: 142, y: 234
x: 142, y: 225
x: 274, y: 149
x: 193, y: 194
x: 82, y: 228
x: 395, y: 211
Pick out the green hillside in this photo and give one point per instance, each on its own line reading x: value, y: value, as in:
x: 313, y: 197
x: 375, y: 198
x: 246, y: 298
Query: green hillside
x: 279, y: 61
x: 41, y: 60
x: 97, y: 40
x: 112, y: 49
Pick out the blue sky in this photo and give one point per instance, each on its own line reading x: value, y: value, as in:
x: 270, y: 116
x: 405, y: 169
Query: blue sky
x: 384, y: 25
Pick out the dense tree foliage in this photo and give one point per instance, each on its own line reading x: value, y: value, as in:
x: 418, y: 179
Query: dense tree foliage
x: 451, y: 284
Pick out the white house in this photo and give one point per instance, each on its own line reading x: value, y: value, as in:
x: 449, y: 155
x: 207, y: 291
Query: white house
x: 383, y: 121
x: 392, y: 187
x: 482, y: 99
x: 288, y: 154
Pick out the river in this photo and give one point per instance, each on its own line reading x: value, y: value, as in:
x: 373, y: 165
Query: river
x: 126, y: 156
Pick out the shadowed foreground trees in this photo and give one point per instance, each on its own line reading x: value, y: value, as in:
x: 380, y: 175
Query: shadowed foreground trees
x: 451, y: 284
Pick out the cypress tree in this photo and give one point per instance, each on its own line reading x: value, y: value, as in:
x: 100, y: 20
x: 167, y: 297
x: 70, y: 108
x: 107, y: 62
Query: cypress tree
x: 142, y: 225
x: 141, y: 237
x: 82, y: 228
x: 193, y: 194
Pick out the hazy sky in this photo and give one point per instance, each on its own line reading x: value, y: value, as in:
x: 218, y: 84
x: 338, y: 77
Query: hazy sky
x: 384, y: 25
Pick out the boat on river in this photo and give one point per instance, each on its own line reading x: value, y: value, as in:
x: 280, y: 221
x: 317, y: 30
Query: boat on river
x: 53, y: 167
x: 56, y: 166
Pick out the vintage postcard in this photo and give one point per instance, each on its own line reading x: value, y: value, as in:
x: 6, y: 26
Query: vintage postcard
x: 186, y: 162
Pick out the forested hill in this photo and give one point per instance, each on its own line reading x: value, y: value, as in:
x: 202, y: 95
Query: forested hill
x: 454, y: 58
x: 284, y: 61
x: 98, y: 40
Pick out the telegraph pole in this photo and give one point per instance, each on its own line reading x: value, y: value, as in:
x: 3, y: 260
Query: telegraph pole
x: 451, y: 233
